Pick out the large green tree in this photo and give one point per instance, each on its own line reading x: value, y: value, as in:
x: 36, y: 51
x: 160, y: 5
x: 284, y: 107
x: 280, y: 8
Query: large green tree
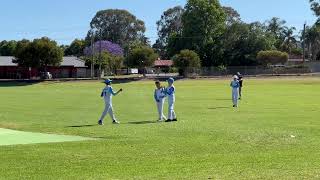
x: 276, y: 26
x: 315, y: 6
x: 290, y: 41
x: 169, y: 23
x: 232, y: 15
x: 203, y: 24
x: 242, y: 42
x: 117, y: 26
x: 76, y: 48
x: 142, y: 57
x: 312, y: 40
x: 39, y: 53
x: 7, y: 48
x: 186, y: 60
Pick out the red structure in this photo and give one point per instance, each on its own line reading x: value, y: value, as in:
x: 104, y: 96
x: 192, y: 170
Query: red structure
x: 163, y: 63
x: 71, y: 67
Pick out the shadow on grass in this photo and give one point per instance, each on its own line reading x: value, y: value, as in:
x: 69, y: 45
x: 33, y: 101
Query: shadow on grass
x: 108, y: 137
x: 223, y: 99
x: 143, y: 122
x: 214, y: 108
x: 17, y: 83
x: 81, y: 126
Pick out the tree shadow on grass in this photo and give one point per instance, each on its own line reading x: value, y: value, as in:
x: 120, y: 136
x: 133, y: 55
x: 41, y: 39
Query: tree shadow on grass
x: 81, y: 126
x: 17, y: 83
x: 143, y: 122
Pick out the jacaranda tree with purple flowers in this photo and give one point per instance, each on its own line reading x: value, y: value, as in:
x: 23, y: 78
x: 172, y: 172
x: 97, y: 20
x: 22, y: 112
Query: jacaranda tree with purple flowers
x: 110, y: 59
x: 106, y: 46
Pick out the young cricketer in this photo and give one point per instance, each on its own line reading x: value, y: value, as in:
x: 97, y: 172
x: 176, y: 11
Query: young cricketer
x: 107, y: 94
x: 235, y: 90
x: 159, y: 96
x: 170, y: 92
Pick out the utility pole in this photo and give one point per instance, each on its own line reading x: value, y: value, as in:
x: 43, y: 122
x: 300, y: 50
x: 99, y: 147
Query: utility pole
x: 100, y: 57
x: 303, y: 43
x: 92, y: 55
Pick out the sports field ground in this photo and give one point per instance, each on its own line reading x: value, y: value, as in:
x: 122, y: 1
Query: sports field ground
x: 274, y: 134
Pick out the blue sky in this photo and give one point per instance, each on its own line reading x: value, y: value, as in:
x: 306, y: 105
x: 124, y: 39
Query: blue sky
x: 65, y: 20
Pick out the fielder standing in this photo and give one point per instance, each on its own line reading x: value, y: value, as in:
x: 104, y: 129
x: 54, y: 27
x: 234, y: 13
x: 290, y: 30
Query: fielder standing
x: 170, y: 92
x: 159, y: 96
x: 107, y: 94
x: 235, y: 90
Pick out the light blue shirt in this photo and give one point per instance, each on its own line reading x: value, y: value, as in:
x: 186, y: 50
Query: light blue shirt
x: 159, y: 94
x: 235, y: 84
x: 170, y: 92
x: 107, y: 94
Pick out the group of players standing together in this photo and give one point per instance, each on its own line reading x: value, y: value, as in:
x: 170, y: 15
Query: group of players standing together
x: 160, y: 94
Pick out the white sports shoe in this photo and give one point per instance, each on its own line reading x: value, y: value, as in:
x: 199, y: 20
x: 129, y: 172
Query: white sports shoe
x: 115, y: 122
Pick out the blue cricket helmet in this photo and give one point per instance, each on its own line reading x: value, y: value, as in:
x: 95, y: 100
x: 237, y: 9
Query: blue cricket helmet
x: 107, y: 81
x: 171, y: 80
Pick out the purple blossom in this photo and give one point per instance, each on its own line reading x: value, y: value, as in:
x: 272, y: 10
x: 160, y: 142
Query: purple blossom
x: 106, y: 46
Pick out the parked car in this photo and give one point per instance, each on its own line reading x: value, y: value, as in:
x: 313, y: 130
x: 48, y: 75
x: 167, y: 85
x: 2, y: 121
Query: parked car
x: 45, y: 75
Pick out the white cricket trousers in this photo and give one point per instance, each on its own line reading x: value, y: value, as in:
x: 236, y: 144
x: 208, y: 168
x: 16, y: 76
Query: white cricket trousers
x: 171, y: 113
x: 235, y: 96
x: 160, y: 110
x: 108, y: 110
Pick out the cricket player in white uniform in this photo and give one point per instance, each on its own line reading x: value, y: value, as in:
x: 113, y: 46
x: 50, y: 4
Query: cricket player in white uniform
x: 235, y: 90
x: 170, y: 92
x: 107, y: 94
x: 159, y: 96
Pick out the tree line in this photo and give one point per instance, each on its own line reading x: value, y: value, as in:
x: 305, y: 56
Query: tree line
x: 210, y: 33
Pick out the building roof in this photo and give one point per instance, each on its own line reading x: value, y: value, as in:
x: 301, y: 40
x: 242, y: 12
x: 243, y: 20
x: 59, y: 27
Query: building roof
x: 163, y: 63
x: 72, y: 61
x: 6, y: 61
x: 67, y: 61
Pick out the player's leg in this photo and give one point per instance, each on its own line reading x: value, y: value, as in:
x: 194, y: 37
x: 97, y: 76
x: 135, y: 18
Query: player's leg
x: 159, y: 111
x: 112, y: 116
x: 170, y: 112
x: 103, y: 115
x: 233, y: 98
x: 174, y: 117
x: 240, y: 92
x: 236, y: 96
x: 163, y: 117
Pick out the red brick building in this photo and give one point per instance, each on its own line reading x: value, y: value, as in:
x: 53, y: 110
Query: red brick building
x: 71, y: 67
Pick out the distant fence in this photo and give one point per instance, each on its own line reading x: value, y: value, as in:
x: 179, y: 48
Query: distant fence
x: 308, y: 67
x: 253, y: 70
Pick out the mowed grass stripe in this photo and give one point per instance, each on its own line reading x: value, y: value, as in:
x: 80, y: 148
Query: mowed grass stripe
x: 12, y: 137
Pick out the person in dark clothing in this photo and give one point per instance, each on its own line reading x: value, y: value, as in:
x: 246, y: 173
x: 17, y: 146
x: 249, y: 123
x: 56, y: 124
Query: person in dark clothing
x: 240, y: 79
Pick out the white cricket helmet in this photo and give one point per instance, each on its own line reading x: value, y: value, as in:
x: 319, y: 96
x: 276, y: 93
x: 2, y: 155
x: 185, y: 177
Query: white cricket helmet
x: 235, y: 77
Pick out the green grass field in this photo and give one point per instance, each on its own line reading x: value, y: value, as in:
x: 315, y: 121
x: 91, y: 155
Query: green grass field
x: 274, y: 134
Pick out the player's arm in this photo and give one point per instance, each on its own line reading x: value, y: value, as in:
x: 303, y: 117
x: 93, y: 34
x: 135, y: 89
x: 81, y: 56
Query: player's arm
x: 170, y: 91
x: 102, y: 93
x: 163, y: 93
x: 114, y: 93
x: 155, y: 96
x: 238, y: 84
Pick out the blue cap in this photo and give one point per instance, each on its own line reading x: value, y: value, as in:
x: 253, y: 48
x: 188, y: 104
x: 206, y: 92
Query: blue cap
x: 171, y: 80
x: 107, y: 81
